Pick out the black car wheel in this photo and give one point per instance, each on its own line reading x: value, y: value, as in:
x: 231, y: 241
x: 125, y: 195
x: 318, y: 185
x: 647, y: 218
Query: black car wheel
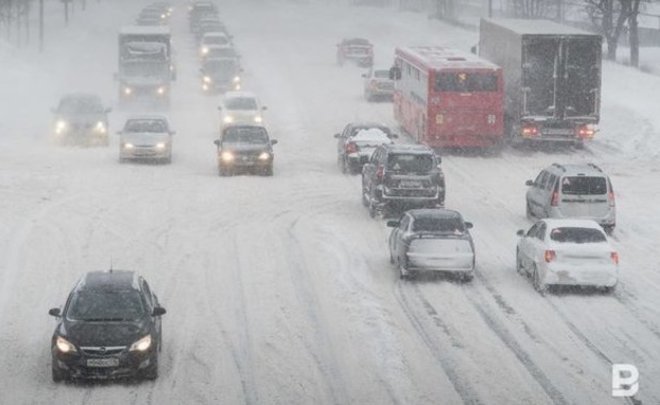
x: 528, y: 211
x: 538, y: 284
x: 59, y: 375
x: 519, y: 266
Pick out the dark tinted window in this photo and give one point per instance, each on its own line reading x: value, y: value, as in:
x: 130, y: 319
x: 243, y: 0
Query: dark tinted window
x: 410, y: 162
x: 80, y: 105
x: 465, y: 82
x: 241, y: 103
x: 254, y: 135
x: 139, y: 125
x: 89, y: 305
x: 436, y: 224
x: 584, y: 185
x: 577, y: 235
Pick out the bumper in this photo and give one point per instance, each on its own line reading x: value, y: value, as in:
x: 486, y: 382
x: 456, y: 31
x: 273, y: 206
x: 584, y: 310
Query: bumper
x: 144, y: 153
x: 239, y: 162
x: 89, y: 137
x: 608, y: 220
x: 430, y: 262
x: 129, y: 365
x: 581, y: 275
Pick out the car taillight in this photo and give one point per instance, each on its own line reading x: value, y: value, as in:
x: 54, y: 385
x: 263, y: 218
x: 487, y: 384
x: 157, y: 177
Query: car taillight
x: 380, y: 172
x: 615, y: 257
x: 549, y: 256
x: 610, y: 199
x: 529, y: 130
x: 585, y: 131
x: 351, y: 147
x: 555, y: 199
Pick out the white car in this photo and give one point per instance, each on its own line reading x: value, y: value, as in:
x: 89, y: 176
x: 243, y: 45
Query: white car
x: 377, y: 84
x: 567, y: 252
x: 357, y: 149
x: 240, y: 107
x: 213, y: 39
x: 146, y: 138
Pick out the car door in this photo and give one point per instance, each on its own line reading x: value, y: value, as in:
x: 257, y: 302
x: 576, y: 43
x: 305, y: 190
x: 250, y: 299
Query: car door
x: 527, y: 246
x: 152, y: 300
x: 399, y: 248
x: 368, y: 171
x: 342, y: 139
x: 537, y: 246
x: 534, y: 194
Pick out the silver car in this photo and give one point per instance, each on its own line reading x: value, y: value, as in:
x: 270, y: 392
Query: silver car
x: 146, y: 138
x: 377, y: 84
x: 432, y: 240
x: 572, y: 191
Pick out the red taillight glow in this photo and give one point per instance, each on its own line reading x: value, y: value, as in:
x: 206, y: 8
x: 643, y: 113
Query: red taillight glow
x: 529, y: 131
x: 615, y: 257
x: 555, y: 199
x: 351, y: 147
x: 380, y: 173
x: 610, y: 198
x: 549, y: 255
x: 585, y: 131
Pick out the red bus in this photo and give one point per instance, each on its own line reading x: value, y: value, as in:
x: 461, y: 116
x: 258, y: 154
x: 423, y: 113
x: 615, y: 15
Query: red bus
x: 445, y: 98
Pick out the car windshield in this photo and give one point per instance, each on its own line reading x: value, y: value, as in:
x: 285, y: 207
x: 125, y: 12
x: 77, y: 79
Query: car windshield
x: 221, y: 67
x: 254, y: 135
x: 140, y: 125
x: 584, y: 185
x: 577, y: 235
x: 241, y: 103
x: 382, y: 74
x: 410, y: 162
x: 452, y: 225
x: 80, y: 105
x: 216, y: 40
x: 106, y: 305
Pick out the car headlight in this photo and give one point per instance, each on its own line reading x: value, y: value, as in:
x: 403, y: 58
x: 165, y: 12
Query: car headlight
x: 205, y: 87
x: 264, y: 156
x: 141, y: 345
x: 100, y: 127
x: 128, y: 91
x: 258, y: 118
x: 228, y: 119
x: 61, y: 126
x: 207, y: 79
x: 64, y: 346
x: 160, y: 145
x: 227, y: 156
x: 237, y: 79
x: 205, y: 50
x: 237, y: 86
x: 161, y: 90
x: 128, y: 146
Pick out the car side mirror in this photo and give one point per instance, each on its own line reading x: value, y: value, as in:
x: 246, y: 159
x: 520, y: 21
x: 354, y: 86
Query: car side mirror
x: 439, y: 159
x: 393, y: 136
x: 337, y: 136
x: 217, y: 142
x: 273, y: 141
x: 529, y: 183
x: 521, y: 232
x: 469, y: 225
x: 392, y: 224
x: 172, y: 132
x: 54, y: 312
x: 108, y: 110
x: 364, y: 75
x: 158, y: 311
x: 264, y: 108
x: 219, y: 108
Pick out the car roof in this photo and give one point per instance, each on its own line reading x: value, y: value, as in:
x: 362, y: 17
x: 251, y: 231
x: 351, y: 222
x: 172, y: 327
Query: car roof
x: 109, y: 280
x: 215, y: 34
x: 572, y: 223
x: 434, y: 213
x: 367, y: 124
x: 571, y: 169
x: 356, y: 41
x: 238, y: 94
x: 146, y: 117
x: 408, y: 148
x: 81, y: 96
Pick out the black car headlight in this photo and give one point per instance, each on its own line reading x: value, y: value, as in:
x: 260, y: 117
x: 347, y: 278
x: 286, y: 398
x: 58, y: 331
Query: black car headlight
x: 141, y: 345
x: 64, y: 346
x: 264, y: 156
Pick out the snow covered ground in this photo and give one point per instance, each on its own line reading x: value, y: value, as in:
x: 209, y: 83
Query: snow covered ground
x: 279, y: 290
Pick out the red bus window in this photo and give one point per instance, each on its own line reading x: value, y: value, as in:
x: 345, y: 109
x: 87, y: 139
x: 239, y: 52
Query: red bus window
x: 465, y: 82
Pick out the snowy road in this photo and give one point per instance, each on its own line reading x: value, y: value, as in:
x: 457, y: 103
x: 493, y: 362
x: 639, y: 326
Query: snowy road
x: 279, y: 290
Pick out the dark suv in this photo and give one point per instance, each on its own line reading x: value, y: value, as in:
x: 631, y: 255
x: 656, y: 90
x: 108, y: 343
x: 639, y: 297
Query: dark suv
x: 245, y: 147
x: 110, y: 327
x: 402, y: 176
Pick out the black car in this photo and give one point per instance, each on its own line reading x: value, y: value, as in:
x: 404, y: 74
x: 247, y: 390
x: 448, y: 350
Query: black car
x: 81, y: 119
x: 110, y: 328
x: 400, y: 176
x: 246, y: 147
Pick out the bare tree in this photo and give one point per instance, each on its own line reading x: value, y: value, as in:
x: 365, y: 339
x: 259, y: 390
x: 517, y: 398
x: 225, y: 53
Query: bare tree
x: 609, y: 17
x: 633, y: 32
x: 534, y: 8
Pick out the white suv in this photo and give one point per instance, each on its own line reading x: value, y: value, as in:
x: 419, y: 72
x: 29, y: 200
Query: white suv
x: 572, y: 191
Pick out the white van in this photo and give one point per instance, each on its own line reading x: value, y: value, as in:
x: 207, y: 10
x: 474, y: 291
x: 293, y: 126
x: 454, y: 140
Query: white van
x: 572, y: 191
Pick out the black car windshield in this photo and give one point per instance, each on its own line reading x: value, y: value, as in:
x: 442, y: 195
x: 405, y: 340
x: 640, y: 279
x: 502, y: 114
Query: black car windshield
x: 80, y: 105
x: 439, y: 224
x: 254, y: 135
x: 577, y: 235
x: 410, y: 162
x: 241, y: 103
x: 224, y: 67
x: 140, y: 125
x: 106, y: 305
x: 584, y: 185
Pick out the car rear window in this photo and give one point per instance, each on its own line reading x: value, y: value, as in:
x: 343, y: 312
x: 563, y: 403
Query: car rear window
x: 577, y: 235
x: 584, y: 185
x: 410, y: 162
x: 442, y: 225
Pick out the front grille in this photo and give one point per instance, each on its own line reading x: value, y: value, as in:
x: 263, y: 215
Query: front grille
x: 102, y: 351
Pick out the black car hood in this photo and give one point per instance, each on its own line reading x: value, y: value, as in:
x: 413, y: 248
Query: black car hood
x: 84, y: 333
x: 246, y: 147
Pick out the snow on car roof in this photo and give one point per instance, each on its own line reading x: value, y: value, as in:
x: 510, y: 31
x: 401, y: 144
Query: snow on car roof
x: 371, y: 134
x: 434, y: 212
x: 572, y: 223
x: 234, y: 94
x: 146, y: 117
x: 536, y: 27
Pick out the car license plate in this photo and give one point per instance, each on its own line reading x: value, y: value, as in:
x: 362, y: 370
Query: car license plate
x: 409, y: 184
x: 558, y: 131
x: 110, y: 362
